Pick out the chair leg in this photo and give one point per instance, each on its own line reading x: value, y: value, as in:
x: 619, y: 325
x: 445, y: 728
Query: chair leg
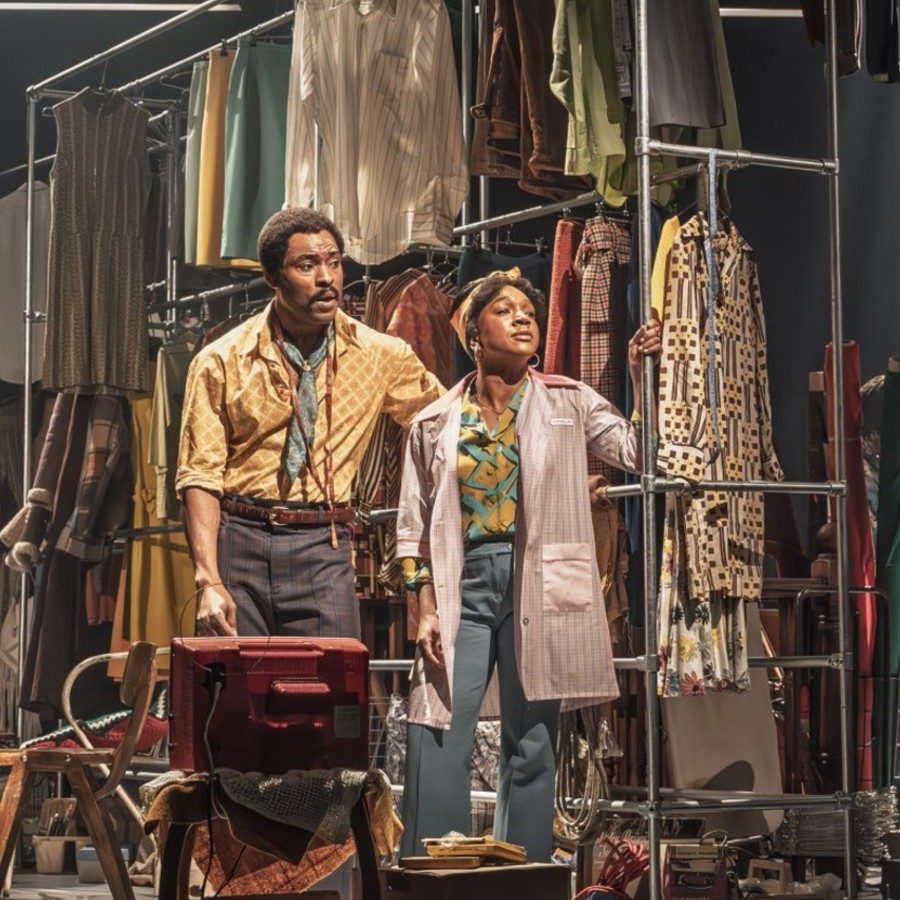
x: 99, y: 828
x: 12, y: 807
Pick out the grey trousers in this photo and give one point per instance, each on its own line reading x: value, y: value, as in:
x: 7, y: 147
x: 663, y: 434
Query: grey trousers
x: 288, y: 580
x: 436, y: 793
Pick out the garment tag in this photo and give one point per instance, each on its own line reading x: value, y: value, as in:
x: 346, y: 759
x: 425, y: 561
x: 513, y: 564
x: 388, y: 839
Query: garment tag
x: 568, y: 422
x: 346, y: 721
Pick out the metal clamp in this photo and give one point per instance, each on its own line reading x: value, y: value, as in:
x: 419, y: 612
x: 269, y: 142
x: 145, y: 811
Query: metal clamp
x: 32, y: 318
x: 836, y: 661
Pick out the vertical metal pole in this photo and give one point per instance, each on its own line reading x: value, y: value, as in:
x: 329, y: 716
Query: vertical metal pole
x: 317, y: 167
x: 173, y: 207
x: 484, y: 182
x: 651, y: 554
x: 466, y: 98
x: 848, y: 756
x: 28, y: 341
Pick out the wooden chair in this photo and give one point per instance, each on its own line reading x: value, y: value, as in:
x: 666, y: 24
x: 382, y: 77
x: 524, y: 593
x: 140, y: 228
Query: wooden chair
x: 75, y: 764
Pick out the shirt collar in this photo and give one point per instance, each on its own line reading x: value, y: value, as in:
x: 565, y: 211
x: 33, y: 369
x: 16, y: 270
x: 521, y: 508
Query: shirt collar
x: 367, y: 7
x: 345, y: 333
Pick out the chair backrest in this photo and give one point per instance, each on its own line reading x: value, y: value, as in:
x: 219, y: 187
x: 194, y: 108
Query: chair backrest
x: 136, y: 692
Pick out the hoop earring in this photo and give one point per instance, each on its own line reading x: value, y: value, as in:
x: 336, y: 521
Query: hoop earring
x: 535, y: 361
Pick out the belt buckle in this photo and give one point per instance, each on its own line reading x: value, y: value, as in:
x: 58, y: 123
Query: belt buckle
x: 273, y: 511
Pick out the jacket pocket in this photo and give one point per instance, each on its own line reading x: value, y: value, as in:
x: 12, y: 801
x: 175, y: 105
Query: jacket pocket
x: 568, y: 578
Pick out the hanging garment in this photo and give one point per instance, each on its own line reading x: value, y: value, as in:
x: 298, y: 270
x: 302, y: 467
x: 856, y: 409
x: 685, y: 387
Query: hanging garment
x: 96, y: 337
x: 888, y: 558
x: 12, y: 292
x: 588, y: 46
x: 393, y: 169
x: 172, y: 364
x: 495, y: 135
x: 193, y: 135
x: 102, y: 502
x: 211, y: 186
x: 602, y: 260
x: 861, y: 567
x: 682, y: 63
x: 160, y: 571
x: 882, y: 36
x: 521, y: 59
x: 255, y: 130
x: 817, y: 470
x: 849, y: 30
x: 714, y: 424
x: 61, y: 636
x: 562, y: 351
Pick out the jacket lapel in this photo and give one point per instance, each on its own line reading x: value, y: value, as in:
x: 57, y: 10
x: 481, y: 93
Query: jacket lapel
x: 533, y: 440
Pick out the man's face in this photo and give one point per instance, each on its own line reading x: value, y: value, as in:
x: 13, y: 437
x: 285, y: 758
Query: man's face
x: 312, y: 279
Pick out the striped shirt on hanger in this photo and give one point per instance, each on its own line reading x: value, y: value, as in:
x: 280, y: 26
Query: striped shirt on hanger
x: 379, y: 80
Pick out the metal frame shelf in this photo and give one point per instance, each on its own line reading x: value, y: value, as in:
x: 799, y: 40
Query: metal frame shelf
x: 654, y: 808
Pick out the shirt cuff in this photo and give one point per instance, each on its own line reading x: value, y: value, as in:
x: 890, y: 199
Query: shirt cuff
x: 415, y: 572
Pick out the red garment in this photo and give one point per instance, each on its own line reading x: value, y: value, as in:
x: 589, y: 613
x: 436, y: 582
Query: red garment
x: 422, y: 319
x: 562, y: 353
x: 861, y: 568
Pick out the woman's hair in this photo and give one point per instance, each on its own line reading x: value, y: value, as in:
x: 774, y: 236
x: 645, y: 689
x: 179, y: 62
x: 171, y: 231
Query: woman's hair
x: 488, y: 290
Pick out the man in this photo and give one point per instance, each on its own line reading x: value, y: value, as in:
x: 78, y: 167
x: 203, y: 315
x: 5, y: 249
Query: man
x: 278, y: 415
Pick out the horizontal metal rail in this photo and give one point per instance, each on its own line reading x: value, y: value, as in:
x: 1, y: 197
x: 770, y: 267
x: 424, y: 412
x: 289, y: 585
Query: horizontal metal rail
x: 128, y: 44
x: 759, y: 12
x: 262, y: 28
x: 744, y: 157
x: 524, y: 215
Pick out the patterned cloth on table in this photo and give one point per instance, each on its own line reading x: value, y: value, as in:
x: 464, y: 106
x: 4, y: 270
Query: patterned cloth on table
x: 562, y: 350
x: 602, y: 260
x: 268, y: 854
x: 713, y: 546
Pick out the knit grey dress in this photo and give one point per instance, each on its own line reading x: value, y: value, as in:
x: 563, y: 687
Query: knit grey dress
x: 97, y: 336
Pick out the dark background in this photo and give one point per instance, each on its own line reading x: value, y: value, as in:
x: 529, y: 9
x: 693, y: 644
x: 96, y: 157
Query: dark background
x: 779, y: 82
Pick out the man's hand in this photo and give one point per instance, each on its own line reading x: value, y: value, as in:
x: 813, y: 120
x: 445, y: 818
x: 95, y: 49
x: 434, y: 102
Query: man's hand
x: 428, y: 639
x: 216, y: 613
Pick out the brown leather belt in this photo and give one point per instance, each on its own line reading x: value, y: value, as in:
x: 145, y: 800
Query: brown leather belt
x: 287, y: 515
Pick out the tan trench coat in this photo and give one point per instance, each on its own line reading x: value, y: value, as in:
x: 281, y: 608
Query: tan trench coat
x: 562, y: 637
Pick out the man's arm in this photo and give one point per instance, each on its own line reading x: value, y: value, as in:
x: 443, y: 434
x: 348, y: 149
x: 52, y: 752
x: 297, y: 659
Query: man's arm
x: 411, y: 388
x: 216, y: 610
x: 201, y: 465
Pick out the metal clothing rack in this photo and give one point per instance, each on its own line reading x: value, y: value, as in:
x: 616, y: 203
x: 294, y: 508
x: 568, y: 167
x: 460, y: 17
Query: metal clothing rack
x: 659, y: 803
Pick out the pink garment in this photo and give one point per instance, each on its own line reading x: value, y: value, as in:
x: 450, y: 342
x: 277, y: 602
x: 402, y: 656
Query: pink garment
x: 563, y: 648
x: 422, y: 319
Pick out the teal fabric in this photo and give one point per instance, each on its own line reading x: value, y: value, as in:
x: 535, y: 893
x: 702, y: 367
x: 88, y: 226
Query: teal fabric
x: 196, y: 102
x: 295, y: 454
x: 436, y: 793
x: 888, y: 578
x: 255, y: 139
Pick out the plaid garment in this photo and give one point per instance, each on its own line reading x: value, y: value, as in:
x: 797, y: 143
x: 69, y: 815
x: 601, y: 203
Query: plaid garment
x: 603, y: 259
x: 105, y: 462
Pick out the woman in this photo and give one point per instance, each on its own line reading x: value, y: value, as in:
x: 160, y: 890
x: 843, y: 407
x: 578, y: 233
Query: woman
x: 495, y: 536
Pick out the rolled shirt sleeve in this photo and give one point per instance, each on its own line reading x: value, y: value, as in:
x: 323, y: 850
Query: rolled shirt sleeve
x: 415, y: 572
x: 411, y: 387
x: 203, y: 451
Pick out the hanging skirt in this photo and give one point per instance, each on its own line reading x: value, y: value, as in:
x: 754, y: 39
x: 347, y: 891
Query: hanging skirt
x: 255, y: 138
x: 196, y: 101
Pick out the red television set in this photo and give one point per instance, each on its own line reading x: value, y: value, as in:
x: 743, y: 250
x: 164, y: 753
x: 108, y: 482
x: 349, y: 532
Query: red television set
x: 283, y: 703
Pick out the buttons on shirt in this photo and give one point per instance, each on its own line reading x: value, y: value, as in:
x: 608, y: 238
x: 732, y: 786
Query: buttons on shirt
x: 525, y: 620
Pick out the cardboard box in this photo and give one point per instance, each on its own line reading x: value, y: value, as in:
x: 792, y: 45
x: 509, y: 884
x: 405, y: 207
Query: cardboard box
x: 548, y: 882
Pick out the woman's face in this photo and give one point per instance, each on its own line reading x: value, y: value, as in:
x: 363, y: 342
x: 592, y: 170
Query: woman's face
x: 508, y: 326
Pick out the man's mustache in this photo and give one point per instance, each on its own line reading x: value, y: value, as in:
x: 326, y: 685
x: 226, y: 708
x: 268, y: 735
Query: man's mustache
x: 326, y: 294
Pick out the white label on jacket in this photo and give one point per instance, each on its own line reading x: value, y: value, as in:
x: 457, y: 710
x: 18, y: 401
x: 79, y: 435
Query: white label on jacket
x: 568, y: 422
